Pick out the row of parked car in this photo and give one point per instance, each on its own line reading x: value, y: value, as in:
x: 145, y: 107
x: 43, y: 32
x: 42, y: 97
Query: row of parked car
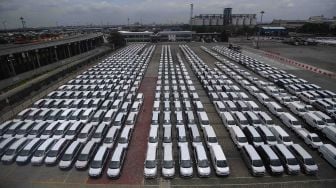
x: 292, y: 99
x: 174, y: 112
x: 251, y: 129
x: 266, y: 91
x: 57, y: 131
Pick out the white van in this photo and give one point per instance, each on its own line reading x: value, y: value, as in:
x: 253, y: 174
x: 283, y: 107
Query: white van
x: 330, y: 132
x: 275, y: 108
x: 327, y: 119
x: 209, y: 136
x: 219, y: 160
x: 227, y: 119
x: 314, y: 121
x: 238, y: 136
x: 185, y: 161
x: 150, y: 169
x: 253, y: 160
x: 297, y: 108
x: 168, y: 165
x: 267, y: 135
x: 290, y: 121
x: 281, y: 135
x: 328, y: 152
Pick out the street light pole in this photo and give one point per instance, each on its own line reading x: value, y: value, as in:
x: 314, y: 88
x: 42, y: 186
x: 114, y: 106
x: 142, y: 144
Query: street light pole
x: 262, y: 13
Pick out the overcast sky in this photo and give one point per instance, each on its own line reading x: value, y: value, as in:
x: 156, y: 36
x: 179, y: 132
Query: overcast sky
x: 77, y: 12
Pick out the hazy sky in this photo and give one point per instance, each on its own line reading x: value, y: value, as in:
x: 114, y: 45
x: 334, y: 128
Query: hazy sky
x: 75, y: 12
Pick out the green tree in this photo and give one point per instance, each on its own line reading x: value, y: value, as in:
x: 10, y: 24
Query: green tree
x: 116, y: 39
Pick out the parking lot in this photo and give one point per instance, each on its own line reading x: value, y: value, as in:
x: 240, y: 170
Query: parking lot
x: 179, y: 84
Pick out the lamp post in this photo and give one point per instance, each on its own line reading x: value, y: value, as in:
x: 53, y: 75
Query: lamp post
x: 23, y: 22
x: 262, y: 13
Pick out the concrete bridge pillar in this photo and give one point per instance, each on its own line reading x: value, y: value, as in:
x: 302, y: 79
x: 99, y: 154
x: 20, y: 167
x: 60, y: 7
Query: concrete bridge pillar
x: 37, y: 57
x: 55, y: 52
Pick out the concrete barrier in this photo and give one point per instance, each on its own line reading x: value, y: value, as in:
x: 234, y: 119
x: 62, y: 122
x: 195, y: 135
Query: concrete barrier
x: 301, y: 65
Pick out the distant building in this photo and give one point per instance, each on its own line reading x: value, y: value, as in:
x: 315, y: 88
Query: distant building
x: 289, y: 24
x: 321, y: 19
x: 227, y: 18
x: 147, y: 36
x: 144, y: 36
x: 273, y: 31
x: 175, y: 35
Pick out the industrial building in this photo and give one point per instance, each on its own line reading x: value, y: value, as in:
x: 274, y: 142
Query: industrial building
x: 144, y: 36
x: 227, y: 18
x: 164, y: 36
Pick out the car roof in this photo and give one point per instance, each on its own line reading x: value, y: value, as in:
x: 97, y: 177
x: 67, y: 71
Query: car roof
x: 116, y: 156
x: 268, y: 150
x: 301, y: 151
x: 151, y: 152
x: 252, y: 152
x: 218, y: 151
x: 100, y: 153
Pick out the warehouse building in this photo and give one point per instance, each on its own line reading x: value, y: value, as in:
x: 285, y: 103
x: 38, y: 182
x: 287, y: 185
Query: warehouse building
x: 173, y: 36
x: 227, y: 18
x: 144, y: 36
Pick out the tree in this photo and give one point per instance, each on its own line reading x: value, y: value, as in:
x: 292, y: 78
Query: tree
x: 116, y: 39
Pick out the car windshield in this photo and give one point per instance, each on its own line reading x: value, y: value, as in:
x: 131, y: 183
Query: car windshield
x: 320, y: 122
x: 83, y: 157
x: 150, y: 164
x: 257, y: 163
x: 114, y: 164
x: 258, y: 139
x: 21, y: 131
x: 24, y: 152
x: 205, y: 122
x: 10, y: 152
x: 168, y: 164
x: 153, y: 139
x: 109, y: 139
x: 271, y: 138
x: 256, y: 121
x: 243, y: 122
x: 71, y: 132
x: 221, y: 163
x: 203, y: 163
x: 58, y: 132
x: 275, y: 162
x: 39, y: 153
x: 52, y: 153
x: 122, y: 140
x: 292, y: 161
x: 242, y: 139
x: 316, y: 139
x: 212, y: 139
x: 96, y: 164
x: 67, y: 157
x: 329, y: 120
x: 82, y: 135
x: 73, y: 117
x: 309, y: 161
x: 33, y: 132
x: 185, y: 163
x: 286, y: 139
x: 295, y: 123
x: 270, y: 122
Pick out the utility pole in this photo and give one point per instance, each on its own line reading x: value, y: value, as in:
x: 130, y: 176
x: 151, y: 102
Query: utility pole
x: 4, y: 23
x: 191, y: 15
x: 23, y: 22
x: 262, y: 13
